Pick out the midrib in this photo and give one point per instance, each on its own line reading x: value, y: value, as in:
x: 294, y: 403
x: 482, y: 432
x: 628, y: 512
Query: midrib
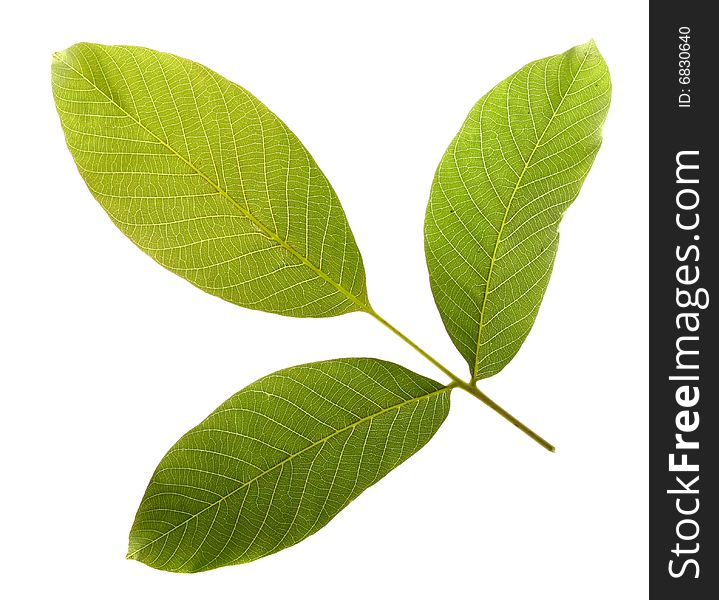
x: 497, y: 243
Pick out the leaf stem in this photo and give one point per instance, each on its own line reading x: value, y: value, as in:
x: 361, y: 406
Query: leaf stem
x: 455, y: 378
x: 477, y: 393
x: 457, y: 381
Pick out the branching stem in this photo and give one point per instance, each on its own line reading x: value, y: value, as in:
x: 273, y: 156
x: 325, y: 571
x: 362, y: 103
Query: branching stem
x: 457, y: 381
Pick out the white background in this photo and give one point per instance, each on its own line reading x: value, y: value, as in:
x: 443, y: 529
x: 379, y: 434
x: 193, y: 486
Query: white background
x: 107, y: 358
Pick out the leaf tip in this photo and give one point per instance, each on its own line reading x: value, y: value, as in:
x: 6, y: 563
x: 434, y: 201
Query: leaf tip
x: 133, y: 548
x: 590, y: 48
x: 131, y: 554
x: 65, y: 56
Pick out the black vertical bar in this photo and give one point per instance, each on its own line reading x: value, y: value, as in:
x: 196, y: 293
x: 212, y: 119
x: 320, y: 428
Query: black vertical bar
x: 684, y: 265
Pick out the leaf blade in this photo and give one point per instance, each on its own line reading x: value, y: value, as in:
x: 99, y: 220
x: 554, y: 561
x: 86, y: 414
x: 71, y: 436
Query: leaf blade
x: 499, y: 193
x: 322, y: 433
x: 205, y: 179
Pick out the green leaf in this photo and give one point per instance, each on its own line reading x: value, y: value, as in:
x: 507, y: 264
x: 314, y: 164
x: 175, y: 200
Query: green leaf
x: 491, y: 230
x: 279, y: 459
x: 206, y: 180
